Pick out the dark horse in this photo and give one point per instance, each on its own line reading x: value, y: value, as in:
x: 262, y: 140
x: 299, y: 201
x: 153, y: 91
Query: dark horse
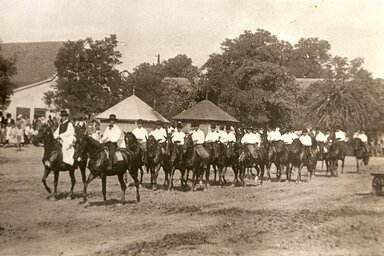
x: 194, y: 162
x: 155, y: 156
x: 53, y: 161
x: 133, y: 145
x: 300, y: 156
x: 281, y: 160
x: 361, y: 153
x: 98, y: 166
x: 337, y: 151
x: 232, y: 160
x: 174, y: 160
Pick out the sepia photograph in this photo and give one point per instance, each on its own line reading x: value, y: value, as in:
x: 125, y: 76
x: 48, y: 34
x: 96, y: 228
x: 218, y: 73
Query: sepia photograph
x: 191, y: 127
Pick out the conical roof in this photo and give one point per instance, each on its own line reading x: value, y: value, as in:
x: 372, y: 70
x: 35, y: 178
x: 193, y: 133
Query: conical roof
x: 205, y: 111
x: 132, y: 109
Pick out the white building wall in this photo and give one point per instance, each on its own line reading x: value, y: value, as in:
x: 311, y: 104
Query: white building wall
x: 31, y: 96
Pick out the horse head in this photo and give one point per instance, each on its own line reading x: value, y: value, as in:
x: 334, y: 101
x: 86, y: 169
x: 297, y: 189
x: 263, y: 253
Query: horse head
x: 44, y: 134
x: 231, y: 149
x: 130, y: 139
x: 168, y: 145
x: 151, y: 146
x: 188, y: 143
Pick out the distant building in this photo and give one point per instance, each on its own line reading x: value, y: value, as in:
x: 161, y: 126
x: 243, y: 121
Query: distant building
x: 28, y: 100
x: 128, y: 112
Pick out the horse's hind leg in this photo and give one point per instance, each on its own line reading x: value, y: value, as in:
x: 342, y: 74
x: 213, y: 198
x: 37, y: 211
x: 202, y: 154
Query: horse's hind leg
x: 44, y: 179
x: 122, y: 185
x: 73, y: 182
x: 91, y: 177
x: 134, y: 174
x: 141, y: 175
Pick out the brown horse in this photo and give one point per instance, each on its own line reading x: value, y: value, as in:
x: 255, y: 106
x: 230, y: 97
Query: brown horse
x: 155, y: 157
x: 174, y: 159
x: 337, y: 151
x: 361, y: 153
x: 98, y: 166
x: 194, y: 162
x: 53, y: 161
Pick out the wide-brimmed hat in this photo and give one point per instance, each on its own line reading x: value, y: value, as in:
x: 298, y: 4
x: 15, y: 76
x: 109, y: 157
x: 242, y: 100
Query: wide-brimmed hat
x: 112, y: 117
x: 195, y: 124
x: 179, y: 125
x: 213, y: 126
x: 228, y: 127
x: 140, y: 121
x: 64, y: 112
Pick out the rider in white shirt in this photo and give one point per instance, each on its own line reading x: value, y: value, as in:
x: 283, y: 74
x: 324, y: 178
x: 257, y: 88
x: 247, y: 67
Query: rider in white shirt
x: 274, y: 135
x: 230, y: 135
x: 178, y: 135
x: 212, y: 136
x: 198, y: 141
x: 340, y: 135
x: 223, y: 137
x: 159, y: 133
x: 320, y: 137
x: 305, y: 139
x: 111, y: 136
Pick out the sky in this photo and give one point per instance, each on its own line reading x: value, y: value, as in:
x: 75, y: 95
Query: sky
x: 198, y: 27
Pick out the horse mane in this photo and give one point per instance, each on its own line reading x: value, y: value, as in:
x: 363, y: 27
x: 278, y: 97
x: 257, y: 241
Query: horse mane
x: 94, y: 143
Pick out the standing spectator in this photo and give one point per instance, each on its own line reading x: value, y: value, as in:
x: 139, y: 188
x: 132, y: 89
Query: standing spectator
x: 10, y: 123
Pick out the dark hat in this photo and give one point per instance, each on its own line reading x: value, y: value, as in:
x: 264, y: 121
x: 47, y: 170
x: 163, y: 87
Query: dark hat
x: 213, y: 126
x: 112, y: 117
x: 179, y: 125
x: 63, y: 112
x: 195, y: 124
x: 228, y: 127
x: 140, y: 121
x: 304, y: 131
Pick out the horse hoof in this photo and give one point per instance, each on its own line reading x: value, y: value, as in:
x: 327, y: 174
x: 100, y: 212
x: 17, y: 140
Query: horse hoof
x: 87, y: 204
x: 49, y: 190
x: 53, y: 198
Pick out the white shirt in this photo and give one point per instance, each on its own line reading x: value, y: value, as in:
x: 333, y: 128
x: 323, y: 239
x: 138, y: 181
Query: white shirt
x: 141, y: 134
x: 198, y: 136
x: 306, y: 140
x: 223, y: 137
x: 111, y: 134
x: 68, y: 136
x: 274, y: 135
x: 355, y: 135
x: 212, y: 137
x: 178, y: 136
x: 244, y: 139
x: 293, y: 135
x: 251, y: 138
x: 340, y: 135
x: 287, y: 138
x: 159, y: 134
x: 320, y: 137
x: 231, y: 137
x: 363, y: 138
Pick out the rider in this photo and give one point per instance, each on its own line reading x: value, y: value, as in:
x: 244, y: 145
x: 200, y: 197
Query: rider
x: 340, y: 135
x: 66, y: 136
x: 198, y: 141
x: 141, y: 135
x: 223, y: 137
x: 178, y: 135
x: 212, y: 136
x: 274, y: 135
x: 159, y: 133
x: 230, y: 135
x: 363, y: 137
x: 111, y: 136
x: 250, y: 140
x: 321, y: 139
x: 306, y: 140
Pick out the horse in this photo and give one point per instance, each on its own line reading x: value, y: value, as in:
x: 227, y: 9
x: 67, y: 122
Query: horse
x: 132, y: 144
x: 174, y: 159
x: 231, y: 159
x: 360, y: 152
x: 155, y: 156
x: 194, y: 162
x: 53, y: 161
x: 270, y: 156
x: 337, y: 151
x: 281, y: 160
x: 245, y: 161
x: 98, y: 166
x: 298, y: 158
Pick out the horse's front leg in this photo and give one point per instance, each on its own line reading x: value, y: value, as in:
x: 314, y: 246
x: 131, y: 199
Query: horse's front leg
x: 73, y: 182
x: 156, y: 170
x: 82, y: 166
x: 134, y: 174
x: 357, y: 165
x: 47, y: 171
x: 141, y: 175
x: 91, y: 177
x: 104, y: 188
x: 298, y: 179
x: 55, y: 182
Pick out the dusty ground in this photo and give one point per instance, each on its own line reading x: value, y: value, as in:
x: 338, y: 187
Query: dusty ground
x: 327, y: 216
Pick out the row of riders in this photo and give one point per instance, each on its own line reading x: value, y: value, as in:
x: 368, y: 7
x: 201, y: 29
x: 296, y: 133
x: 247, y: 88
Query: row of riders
x: 117, y: 152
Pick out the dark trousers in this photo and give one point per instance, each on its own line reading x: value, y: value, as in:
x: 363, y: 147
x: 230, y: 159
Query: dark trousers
x: 112, y: 147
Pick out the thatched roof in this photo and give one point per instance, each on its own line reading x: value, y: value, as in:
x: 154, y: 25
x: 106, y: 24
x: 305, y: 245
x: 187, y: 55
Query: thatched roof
x: 205, y: 111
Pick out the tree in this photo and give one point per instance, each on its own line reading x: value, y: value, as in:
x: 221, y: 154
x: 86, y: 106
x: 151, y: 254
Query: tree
x: 309, y: 57
x: 347, y: 99
x: 249, y: 79
x: 7, y: 70
x: 180, y: 66
x: 88, y: 81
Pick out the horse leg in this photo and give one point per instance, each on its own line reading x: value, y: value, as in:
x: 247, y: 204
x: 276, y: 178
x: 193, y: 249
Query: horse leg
x: 82, y: 167
x: 89, y: 179
x: 223, y: 174
x: 298, y: 179
x: 104, y: 188
x: 122, y: 185
x: 73, y: 182
x: 55, y: 182
x: 208, y: 173
x: 357, y: 165
x: 141, y: 175
x: 44, y: 179
x: 134, y: 175
x: 194, y: 179
x: 155, y: 174
x: 206, y: 180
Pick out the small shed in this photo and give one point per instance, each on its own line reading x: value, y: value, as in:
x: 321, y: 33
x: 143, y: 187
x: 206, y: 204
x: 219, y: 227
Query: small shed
x: 206, y: 113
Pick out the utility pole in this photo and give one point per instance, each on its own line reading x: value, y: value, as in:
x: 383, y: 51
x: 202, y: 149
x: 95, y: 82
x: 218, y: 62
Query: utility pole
x: 158, y: 59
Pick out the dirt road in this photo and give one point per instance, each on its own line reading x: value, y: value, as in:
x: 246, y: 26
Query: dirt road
x: 327, y: 216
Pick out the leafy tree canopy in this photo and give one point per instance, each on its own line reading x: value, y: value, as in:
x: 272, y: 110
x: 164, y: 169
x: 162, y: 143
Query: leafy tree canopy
x: 7, y: 70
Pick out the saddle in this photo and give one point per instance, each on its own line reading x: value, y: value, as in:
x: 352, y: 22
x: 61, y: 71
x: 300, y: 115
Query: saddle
x: 117, y: 157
